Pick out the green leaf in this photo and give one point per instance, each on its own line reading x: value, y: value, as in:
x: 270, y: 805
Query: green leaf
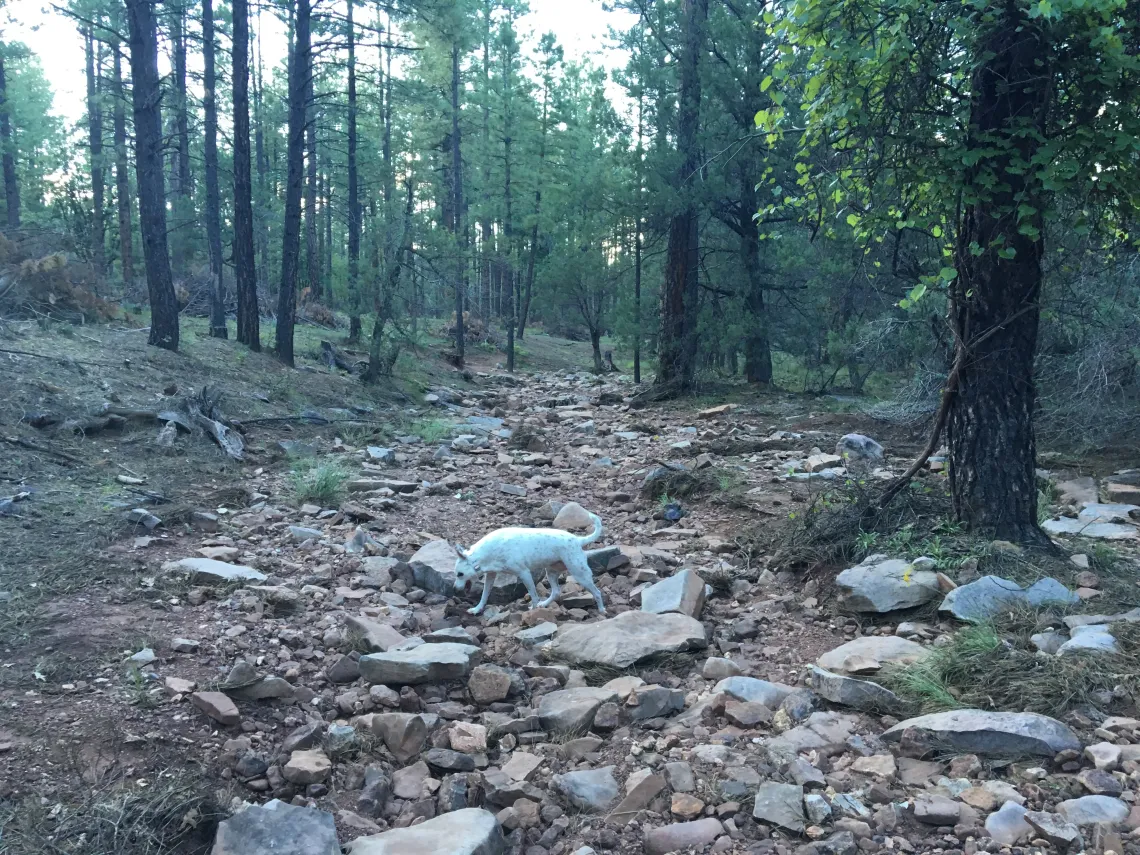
x: 765, y: 83
x: 947, y: 274
x: 853, y: 220
x: 936, y: 231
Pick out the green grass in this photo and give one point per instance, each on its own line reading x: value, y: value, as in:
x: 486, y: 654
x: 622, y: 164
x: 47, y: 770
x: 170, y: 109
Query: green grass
x: 321, y: 484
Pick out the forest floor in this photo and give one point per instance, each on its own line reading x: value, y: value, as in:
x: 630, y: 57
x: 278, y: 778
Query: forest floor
x: 112, y: 738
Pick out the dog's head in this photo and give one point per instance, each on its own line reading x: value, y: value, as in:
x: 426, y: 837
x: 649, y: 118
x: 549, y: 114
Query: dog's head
x: 466, y: 570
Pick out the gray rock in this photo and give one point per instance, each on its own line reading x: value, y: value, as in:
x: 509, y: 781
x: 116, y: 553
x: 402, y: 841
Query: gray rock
x: 753, y: 690
x: 428, y: 663
x: 680, y: 776
x: 885, y: 585
x: 1048, y: 642
x: 682, y: 592
x: 381, y: 455
x: 377, y: 637
x: 1089, y: 810
x: 781, y: 805
x: 572, y: 710
x: 1090, y: 638
x: 850, y: 692
x: 716, y: 668
x: 1088, y: 528
x: 489, y: 683
x: 1050, y: 592
x: 868, y: 653
x: 817, y: 808
x: 991, y: 733
x: 682, y: 836
x: 591, y: 790
x: 820, y: 729
x: 216, y: 571
x: 980, y: 600
x: 1007, y: 826
x: 433, y: 569
x: 627, y: 639
x: 1054, y: 828
x: 449, y: 761
x: 471, y: 831
x: 342, y: 669
x: 404, y: 734
x: 646, y: 702
x: 537, y: 633
x: 301, y: 533
x: 277, y: 827
x: 933, y: 809
x: 855, y: 447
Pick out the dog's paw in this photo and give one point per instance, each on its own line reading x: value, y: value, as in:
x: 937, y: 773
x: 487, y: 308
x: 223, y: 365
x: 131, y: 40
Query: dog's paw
x: 474, y: 610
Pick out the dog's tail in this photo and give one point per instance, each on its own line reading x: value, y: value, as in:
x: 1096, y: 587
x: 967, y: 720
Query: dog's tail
x: 587, y: 539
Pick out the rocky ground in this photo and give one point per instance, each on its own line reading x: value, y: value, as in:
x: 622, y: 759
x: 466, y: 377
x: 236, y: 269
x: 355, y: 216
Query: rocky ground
x: 313, y: 664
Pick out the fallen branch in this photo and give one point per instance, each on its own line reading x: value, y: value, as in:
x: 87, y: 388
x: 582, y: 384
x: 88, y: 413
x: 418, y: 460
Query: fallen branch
x: 31, y: 446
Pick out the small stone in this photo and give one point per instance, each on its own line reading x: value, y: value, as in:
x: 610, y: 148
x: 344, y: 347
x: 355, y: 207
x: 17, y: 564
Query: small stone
x: 468, y: 737
x: 184, y: 645
x: 217, y: 706
x: 935, y: 810
x: 747, y: 714
x: 1054, y: 828
x: 488, y: 684
x: 573, y: 517
x: 682, y: 836
x: 590, y: 790
x: 307, y: 767
x: 521, y: 766
x: 1104, y: 756
x: 718, y: 669
x: 1099, y: 782
x: 686, y: 806
x: 1007, y: 826
x: 879, y: 765
x: 781, y: 805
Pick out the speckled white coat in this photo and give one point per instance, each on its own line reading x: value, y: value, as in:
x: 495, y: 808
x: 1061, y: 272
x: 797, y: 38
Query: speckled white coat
x: 523, y: 551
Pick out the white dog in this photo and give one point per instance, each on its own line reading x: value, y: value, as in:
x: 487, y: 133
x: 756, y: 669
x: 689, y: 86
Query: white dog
x: 519, y: 551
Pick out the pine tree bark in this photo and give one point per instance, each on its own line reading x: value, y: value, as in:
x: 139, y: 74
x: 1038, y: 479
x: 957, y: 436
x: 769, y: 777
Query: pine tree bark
x: 210, y: 163
x: 299, y: 79
x: 996, y: 299
x: 122, y: 173
x: 248, y: 315
x: 262, y: 164
x: 95, y: 140
x: 525, y: 313
x: 355, y: 300
x: 312, y: 251
x: 8, y: 156
x: 757, y: 348
x: 147, y: 101
x: 677, y: 350
x: 457, y: 203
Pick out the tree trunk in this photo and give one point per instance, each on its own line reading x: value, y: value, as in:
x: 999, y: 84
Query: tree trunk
x: 596, y: 346
x: 383, y: 307
x: 509, y: 312
x: 181, y: 106
x: 312, y: 256
x: 11, y: 181
x: 122, y: 175
x: 147, y: 99
x: 262, y: 162
x: 327, y: 264
x: 353, y: 187
x: 213, y: 195
x: 95, y: 136
x: 757, y: 349
x: 248, y: 315
x: 457, y: 203
x: 299, y: 75
x: 525, y: 313
x: 677, y: 350
x: 995, y: 306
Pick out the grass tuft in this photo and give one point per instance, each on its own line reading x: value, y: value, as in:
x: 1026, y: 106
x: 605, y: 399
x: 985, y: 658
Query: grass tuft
x: 322, y: 484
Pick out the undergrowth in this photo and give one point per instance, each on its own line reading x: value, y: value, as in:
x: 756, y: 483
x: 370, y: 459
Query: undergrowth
x: 996, y: 667
x: 322, y: 484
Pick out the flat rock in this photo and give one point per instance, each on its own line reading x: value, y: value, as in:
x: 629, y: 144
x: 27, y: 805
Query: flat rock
x: 433, y: 569
x: 211, y: 570
x: 217, y: 706
x: 277, y: 827
x: 932, y: 809
x: 470, y: 831
x: 1090, y: 638
x: 627, y: 639
x: 1050, y: 592
x: 681, y: 836
x: 683, y: 592
x: 428, y: 663
x: 637, y: 798
x: 781, y: 805
x: 851, y: 692
x: 870, y: 652
x: 1089, y: 810
x: 819, y: 730
x: 572, y: 710
x: 991, y: 733
x: 885, y: 585
x: 377, y: 637
x: 1088, y: 528
x: 591, y: 790
x: 1054, y: 828
x: 978, y: 601
x: 752, y: 690
x: 521, y: 765
x: 307, y: 767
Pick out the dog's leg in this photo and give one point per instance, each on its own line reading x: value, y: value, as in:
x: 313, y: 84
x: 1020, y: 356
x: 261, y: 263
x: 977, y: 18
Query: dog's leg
x: 580, y: 570
x: 552, y: 581
x: 527, y: 579
x: 488, y: 581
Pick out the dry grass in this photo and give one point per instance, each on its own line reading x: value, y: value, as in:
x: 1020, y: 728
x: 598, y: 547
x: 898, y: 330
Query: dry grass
x: 996, y: 667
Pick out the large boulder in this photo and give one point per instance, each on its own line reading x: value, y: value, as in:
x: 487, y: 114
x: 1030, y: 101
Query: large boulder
x: 428, y: 663
x: 627, y: 639
x: 992, y: 733
x: 869, y: 653
x: 572, y: 710
x: 881, y: 585
x: 277, y: 827
x: 433, y: 569
x: 471, y: 831
x: 683, y: 592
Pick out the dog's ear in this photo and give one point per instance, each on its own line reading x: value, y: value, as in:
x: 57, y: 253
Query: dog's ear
x: 461, y: 552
